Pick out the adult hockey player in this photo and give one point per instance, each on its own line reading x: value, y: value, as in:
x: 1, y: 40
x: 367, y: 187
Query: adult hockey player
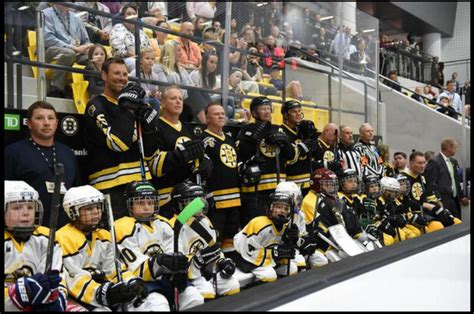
x: 172, y: 150
x: 209, y: 268
x: 145, y: 241
x: 323, y: 156
x: 262, y: 244
x: 89, y: 259
x: 300, y: 133
x: 26, y: 286
x: 258, y: 167
x: 369, y: 156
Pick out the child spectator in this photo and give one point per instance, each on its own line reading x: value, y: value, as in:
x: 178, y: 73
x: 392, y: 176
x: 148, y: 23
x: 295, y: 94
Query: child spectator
x: 97, y: 55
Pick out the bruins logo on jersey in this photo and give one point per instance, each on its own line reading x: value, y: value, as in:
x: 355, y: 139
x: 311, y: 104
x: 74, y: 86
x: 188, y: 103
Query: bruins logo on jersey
x: 228, y: 156
x: 267, y: 150
x: 417, y: 191
x: 196, y: 246
x: 328, y: 156
x: 153, y: 249
x: 296, y: 143
x: 181, y: 140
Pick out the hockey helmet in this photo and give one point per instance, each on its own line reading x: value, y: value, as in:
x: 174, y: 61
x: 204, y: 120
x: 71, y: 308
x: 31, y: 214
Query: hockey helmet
x: 290, y: 104
x: 292, y: 190
x: 280, y: 208
x: 390, y: 187
x: 84, y: 197
x: 349, y: 181
x: 372, y: 186
x: 140, y: 196
x: 324, y: 181
x: 21, y: 200
x: 185, y: 192
x: 257, y: 102
x: 405, y: 184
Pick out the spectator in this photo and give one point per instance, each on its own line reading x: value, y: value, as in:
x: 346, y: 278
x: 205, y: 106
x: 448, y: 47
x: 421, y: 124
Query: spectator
x: 323, y: 42
x: 307, y: 26
x: 122, y: 37
x: 446, y: 108
x: 219, y: 32
x: 199, y: 25
x: 158, y: 9
x: 360, y: 56
x: 98, y: 27
x: 190, y: 56
x: 466, y: 90
x: 442, y: 176
x: 236, y: 59
x: 453, y: 97
x: 254, y: 72
x: 97, y: 57
x: 205, y: 9
x: 417, y: 95
x: 32, y: 160
x: 114, y: 6
x: 454, y: 77
x: 249, y: 36
x: 399, y: 162
x: 292, y: 90
x: 440, y: 75
x: 316, y: 28
x: 393, y: 82
x: 312, y: 54
x: 147, y: 62
x: 205, y: 47
x: 206, y: 76
x: 159, y: 39
x: 426, y: 92
x: 66, y: 41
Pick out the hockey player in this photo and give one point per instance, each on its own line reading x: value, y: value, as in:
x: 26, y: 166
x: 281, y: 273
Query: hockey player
x: 26, y: 286
x: 403, y: 207
x: 89, y: 259
x: 209, y: 269
x: 425, y: 207
x: 172, y: 150
x: 303, y: 134
x: 307, y: 245
x: 223, y: 184
x: 262, y: 244
x: 323, y: 156
x: 145, y: 240
x: 369, y: 156
x: 258, y: 167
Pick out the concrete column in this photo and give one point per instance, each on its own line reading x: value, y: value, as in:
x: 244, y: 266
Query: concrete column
x: 348, y: 14
x: 432, y: 44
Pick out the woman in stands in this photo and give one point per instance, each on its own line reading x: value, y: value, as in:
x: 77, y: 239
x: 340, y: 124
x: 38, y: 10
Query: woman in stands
x: 97, y: 55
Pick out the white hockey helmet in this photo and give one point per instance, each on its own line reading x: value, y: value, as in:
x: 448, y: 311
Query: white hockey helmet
x: 80, y: 196
x: 19, y: 192
x: 390, y: 185
x: 292, y: 190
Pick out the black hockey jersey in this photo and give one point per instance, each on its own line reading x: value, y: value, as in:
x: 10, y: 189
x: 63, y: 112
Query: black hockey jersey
x: 300, y: 171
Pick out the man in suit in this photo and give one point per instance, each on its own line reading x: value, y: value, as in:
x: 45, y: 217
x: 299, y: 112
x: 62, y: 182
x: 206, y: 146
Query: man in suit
x: 441, y: 176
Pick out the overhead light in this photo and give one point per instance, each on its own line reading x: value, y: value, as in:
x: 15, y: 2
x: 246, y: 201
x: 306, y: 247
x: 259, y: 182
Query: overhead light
x: 261, y: 4
x: 326, y: 18
x: 23, y: 8
x: 368, y: 30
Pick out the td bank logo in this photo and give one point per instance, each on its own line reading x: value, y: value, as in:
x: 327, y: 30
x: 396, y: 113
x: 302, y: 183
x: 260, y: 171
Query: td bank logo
x: 12, y: 122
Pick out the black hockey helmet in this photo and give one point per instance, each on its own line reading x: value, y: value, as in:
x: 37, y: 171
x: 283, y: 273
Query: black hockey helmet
x: 259, y: 101
x: 290, y: 104
x: 405, y: 184
x: 349, y: 175
x: 143, y: 192
x: 285, y: 201
x: 372, y: 186
x: 185, y: 192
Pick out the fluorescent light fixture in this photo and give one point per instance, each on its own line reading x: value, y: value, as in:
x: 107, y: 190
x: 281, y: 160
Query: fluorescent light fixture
x: 261, y: 4
x: 326, y: 18
x: 368, y: 30
x: 23, y: 8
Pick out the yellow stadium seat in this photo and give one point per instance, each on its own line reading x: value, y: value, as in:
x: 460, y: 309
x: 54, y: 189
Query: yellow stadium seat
x: 109, y: 51
x: 79, y: 89
x: 148, y: 32
x: 33, y: 56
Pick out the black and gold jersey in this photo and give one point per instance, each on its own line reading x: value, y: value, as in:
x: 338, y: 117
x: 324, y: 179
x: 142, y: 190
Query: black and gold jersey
x: 323, y: 155
x: 300, y: 171
x: 419, y: 193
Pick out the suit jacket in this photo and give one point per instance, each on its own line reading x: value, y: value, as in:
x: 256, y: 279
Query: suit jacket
x: 438, y: 178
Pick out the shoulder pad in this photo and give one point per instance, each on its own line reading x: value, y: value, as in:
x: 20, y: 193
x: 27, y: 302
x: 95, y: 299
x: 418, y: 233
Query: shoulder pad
x: 124, y: 227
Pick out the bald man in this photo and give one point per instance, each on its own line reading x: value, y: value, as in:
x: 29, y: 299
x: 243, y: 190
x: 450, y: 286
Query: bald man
x: 346, y: 151
x: 190, y: 55
x: 324, y: 156
x: 370, y: 159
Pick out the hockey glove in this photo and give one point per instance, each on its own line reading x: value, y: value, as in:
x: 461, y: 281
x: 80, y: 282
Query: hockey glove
x: 291, y: 235
x: 36, y: 289
x: 258, y: 131
x: 303, y: 150
x: 397, y: 220
x: 250, y: 172
x: 308, y: 246
x: 370, y: 206
x: 443, y: 215
x: 275, y: 137
x: 282, y: 251
x: 180, y: 281
x: 419, y: 221
x: 58, y: 305
x: 375, y: 232
x: 137, y: 285
x: 312, y: 145
x: 207, y: 255
x: 307, y: 129
x: 191, y: 150
x: 131, y: 97
x: 388, y: 228
x: 148, y: 118
x: 169, y: 264
x: 226, y: 267
x: 204, y: 169
x: 110, y: 294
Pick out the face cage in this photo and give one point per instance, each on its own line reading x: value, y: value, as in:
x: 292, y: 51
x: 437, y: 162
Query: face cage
x: 407, y: 184
x: 353, y: 191
x: 23, y: 233
x: 390, y: 193
x: 279, y: 219
x: 329, y: 187
x: 185, y: 202
x: 151, y: 217
x: 373, y: 195
x: 102, y: 223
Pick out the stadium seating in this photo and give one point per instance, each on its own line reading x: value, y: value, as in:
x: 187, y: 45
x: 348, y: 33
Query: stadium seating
x: 79, y: 89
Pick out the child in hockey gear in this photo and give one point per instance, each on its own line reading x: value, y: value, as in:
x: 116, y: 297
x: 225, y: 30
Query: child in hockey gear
x: 372, y: 191
x: 349, y: 186
x: 402, y: 207
x: 209, y: 270
x: 89, y: 258
x: 27, y: 288
x: 145, y: 241
x: 261, y: 246
x: 307, y: 244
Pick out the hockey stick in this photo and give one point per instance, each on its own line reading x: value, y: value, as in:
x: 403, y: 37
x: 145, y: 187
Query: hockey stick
x: 53, y: 221
x: 142, y: 151
x: 277, y: 160
x: 186, y: 214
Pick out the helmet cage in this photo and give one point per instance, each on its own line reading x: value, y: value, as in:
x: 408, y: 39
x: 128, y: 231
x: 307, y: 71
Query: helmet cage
x: 329, y: 186
x: 143, y: 218
x: 405, y: 185
x: 344, y: 179
x: 24, y: 232
x: 281, y: 217
x: 89, y: 227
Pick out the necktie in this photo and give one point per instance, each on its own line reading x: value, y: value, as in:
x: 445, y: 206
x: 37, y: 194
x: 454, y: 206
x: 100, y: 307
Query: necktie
x: 451, y: 173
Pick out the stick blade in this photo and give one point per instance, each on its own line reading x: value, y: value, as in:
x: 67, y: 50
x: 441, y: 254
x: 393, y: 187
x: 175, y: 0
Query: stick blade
x: 190, y: 210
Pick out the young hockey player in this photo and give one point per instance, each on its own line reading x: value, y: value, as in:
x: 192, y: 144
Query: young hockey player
x: 264, y: 246
x: 88, y: 255
x: 145, y: 241
x: 403, y: 208
x: 27, y: 287
x: 198, y: 242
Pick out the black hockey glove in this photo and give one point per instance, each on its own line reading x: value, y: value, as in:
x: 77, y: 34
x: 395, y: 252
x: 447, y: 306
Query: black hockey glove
x: 131, y: 97
x: 443, y: 215
x: 110, y: 294
x: 180, y: 281
x: 148, y: 118
x: 168, y: 264
x: 226, y: 267
x: 191, y: 150
x: 388, y: 228
x: 419, y: 221
x: 283, y: 251
x: 308, y: 130
x: 370, y: 206
x: 250, y: 172
x: 204, y: 169
x: 274, y: 137
x: 291, y: 235
x: 397, y: 220
x: 207, y: 255
x: 309, y: 245
x: 375, y: 232
x: 258, y: 131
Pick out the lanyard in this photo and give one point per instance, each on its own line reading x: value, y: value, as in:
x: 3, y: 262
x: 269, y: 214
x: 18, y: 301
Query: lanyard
x: 44, y: 156
x: 68, y: 29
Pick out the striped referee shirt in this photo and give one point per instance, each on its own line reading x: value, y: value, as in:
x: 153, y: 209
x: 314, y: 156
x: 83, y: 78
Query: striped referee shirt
x: 370, y: 159
x: 351, y: 158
